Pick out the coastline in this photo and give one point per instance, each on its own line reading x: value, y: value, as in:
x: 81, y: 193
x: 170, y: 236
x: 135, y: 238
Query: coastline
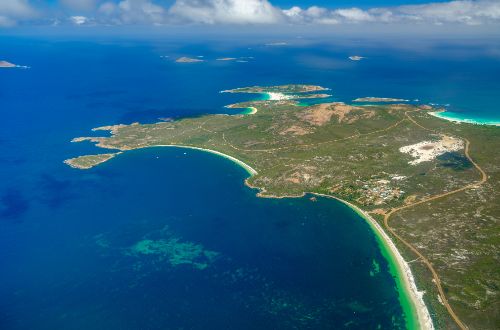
x: 411, y: 300
x: 454, y: 117
x: 247, y: 167
x: 416, y: 313
x: 247, y: 111
x: 251, y: 111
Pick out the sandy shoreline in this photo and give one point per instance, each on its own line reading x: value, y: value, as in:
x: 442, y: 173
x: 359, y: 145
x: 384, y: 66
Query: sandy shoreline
x: 421, y: 318
x: 421, y: 315
x: 247, y: 167
x: 253, y: 110
x: 440, y: 115
x: 248, y: 110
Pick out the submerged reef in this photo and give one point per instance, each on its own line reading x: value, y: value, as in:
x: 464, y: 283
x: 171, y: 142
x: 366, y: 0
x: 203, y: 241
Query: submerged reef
x: 175, y: 252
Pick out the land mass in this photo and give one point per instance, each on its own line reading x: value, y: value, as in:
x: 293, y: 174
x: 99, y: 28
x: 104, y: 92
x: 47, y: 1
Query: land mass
x: 188, y: 60
x: 428, y: 186
x: 356, y: 58
x: 226, y: 59
x: 5, y: 64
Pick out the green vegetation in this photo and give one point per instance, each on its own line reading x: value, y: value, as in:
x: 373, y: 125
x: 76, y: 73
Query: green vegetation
x: 289, y: 89
x: 353, y: 153
x: 86, y: 162
x: 453, y: 160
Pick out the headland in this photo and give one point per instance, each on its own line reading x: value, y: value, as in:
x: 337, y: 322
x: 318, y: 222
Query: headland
x: 378, y: 160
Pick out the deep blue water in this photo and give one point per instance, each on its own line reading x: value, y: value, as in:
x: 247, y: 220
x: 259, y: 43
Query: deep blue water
x: 213, y: 255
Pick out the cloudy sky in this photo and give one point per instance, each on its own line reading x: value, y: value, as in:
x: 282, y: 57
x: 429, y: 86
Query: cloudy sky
x: 466, y: 13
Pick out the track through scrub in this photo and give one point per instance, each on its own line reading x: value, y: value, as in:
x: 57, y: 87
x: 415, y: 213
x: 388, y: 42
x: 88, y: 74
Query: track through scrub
x: 426, y: 261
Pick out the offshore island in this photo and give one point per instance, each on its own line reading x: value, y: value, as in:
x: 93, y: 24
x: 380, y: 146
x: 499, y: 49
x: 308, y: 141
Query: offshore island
x: 429, y: 188
x: 188, y: 60
x: 5, y: 64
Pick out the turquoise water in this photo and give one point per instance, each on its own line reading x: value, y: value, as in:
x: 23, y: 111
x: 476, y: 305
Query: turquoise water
x: 171, y: 238
x: 466, y: 118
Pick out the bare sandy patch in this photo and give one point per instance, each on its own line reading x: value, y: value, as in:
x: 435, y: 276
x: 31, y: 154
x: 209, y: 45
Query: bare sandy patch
x: 378, y: 211
x: 321, y: 114
x: 410, y: 199
x: 426, y: 151
x: 295, y: 130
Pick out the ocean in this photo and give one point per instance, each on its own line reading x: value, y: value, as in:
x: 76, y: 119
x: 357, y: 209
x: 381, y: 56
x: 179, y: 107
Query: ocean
x: 169, y: 238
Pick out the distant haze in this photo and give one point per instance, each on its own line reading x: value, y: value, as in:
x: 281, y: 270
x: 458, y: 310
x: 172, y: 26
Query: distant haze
x: 462, y: 15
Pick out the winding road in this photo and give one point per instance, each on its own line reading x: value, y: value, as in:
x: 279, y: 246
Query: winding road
x: 387, y: 216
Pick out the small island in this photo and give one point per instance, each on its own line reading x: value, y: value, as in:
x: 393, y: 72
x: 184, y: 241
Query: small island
x: 356, y: 58
x: 284, y: 92
x: 288, y: 89
x: 227, y: 59
x: 277, y: 44
x: 188, y: 60
x: 5, y: 64
x: 428, y: 188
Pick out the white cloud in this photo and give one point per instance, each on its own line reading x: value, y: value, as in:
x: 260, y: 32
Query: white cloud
x: 464, y: 11
x: 156, y: 12
x: 133, y: 12
x: 299, y: 15
x: 79, y: 20
x: 468, y: 12
x: 226, y: 11
x: 13, y: 10
x: 353, y: 15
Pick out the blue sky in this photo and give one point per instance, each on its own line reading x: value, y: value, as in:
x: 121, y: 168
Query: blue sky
x: 333, y: 13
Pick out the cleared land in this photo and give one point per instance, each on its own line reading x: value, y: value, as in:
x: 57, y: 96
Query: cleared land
x: 433, y: 184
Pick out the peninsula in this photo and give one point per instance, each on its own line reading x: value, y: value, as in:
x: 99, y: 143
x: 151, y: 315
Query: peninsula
x: 86, y: 162
x: 429, y: 188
